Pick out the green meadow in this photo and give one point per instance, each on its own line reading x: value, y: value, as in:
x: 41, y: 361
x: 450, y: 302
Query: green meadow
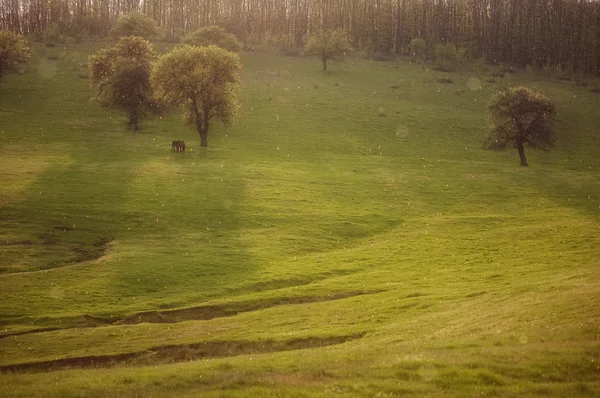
x: 347, y: 236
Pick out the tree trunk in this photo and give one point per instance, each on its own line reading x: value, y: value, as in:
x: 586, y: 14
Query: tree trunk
x: 204, y: 129
x: 399, y: 28
x: 324, y: 64
x: 522, y: 154
x: 204, y: 139
x: 134, y: 121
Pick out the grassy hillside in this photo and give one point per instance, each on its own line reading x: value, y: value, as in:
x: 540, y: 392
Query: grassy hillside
x: 347, y: 236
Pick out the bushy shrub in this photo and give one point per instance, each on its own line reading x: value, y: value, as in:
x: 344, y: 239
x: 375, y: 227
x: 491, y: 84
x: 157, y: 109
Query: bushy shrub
x: 53, y: 36
x: 136, y: 24
x: 213, y: 35
x: 276, y: 41
x: 448, y: 55
x: 418, y: 47
x: 14, y: 52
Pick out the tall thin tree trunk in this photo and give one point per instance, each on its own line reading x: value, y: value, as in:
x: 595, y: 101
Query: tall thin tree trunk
x: 324, y: 64
x: 203, y: 128
x: 399, y: 28
x: 204, y: 139
x: 522, y: 154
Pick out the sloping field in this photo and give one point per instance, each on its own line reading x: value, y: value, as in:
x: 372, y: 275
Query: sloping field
x: 347, y: 236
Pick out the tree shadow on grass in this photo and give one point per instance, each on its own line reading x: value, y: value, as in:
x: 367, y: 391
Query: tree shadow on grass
x: 176, y: 240
x: 574, y: 189
x: 191, y: 248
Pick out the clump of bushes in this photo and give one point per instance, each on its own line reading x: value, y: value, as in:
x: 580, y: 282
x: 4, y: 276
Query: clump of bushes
x: 448, y: 56
x: 213, y: 35
x: 61, y: 33
x: 418, y: 47
x: 136, y: 24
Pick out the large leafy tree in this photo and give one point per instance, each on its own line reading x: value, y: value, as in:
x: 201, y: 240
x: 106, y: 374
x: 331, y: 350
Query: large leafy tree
x: 14, y: 52
x: 214, y: 35
x: 521, y: 118
x: 203, y: 81
x: 121, y: 76
x: 328, y: 45
x: 136, y: 24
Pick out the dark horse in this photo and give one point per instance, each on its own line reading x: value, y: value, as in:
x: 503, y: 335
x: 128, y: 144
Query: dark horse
x: 178, y: 146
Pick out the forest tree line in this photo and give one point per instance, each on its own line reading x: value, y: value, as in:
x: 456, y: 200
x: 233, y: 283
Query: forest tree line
x: 562, y: 34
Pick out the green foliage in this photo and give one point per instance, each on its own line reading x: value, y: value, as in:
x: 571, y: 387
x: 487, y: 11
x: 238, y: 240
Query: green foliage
x: 173, y: 35
x: 448, y: 55
x: 278, y: 41
x: 14, y: 52
x: 213, y: 35
x: 418, y: 47
x: 121, y: 76
x: 328, y: 45
x: 136, y: 24
x: 521, y: 117
x: 52, y: 35
x: 203, y: 81
x: 60, y: 33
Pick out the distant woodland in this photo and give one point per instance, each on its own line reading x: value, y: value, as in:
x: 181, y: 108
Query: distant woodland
x: 557, y: 34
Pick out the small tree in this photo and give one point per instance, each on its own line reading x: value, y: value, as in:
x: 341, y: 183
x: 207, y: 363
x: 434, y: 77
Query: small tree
x: 214, y: 35
x: 521, y: 117
x: 448, y: 55
x: 328, y: 45
x: 418, y: 47
x: 135, y: 24
x: 14, y: 52
x: 121, y: 76
x: 201, y: 80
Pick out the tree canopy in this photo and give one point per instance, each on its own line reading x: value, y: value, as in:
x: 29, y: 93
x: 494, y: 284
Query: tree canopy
x: 202, y: 81
x: 521, y: 117
x: 549, y: 34
x: 121, y: 76
x: 14, y: 52
x: 328, y: 45
x: 214, y: 35
x: 136, y: 24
